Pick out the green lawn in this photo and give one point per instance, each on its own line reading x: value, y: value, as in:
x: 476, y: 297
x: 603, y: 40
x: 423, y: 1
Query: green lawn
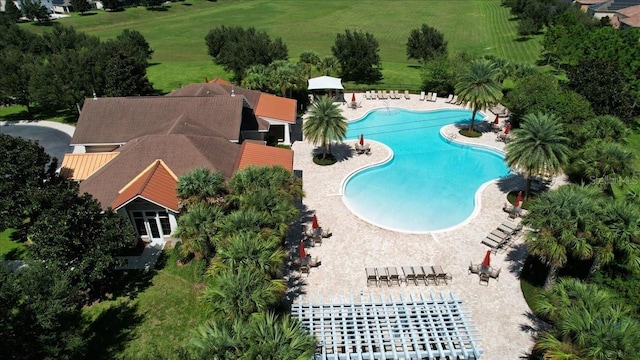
x: 9, y: 247
x: 177, y: 35
x: 154, y: 314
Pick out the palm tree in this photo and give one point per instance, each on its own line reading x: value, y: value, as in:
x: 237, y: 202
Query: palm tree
x: 249, y: 248
x: 238, y: 293
x: 285, y: 75
x: 327, y: 65
x: 197, y: 227
x: 245, y: 219
x: 586, y: 324
x: 201, y: 185
x: 273, y: 337
x: 620, y: 243
x: 274, y: 178
x: 219, y: 340
x: 606, y: 128
x: 538, y: 147
x: 325, y: 123
x: 604, y: 162
x: 309, y: 59
x: 564, y: 222
x: 478, y: 88
x: 257, y: 78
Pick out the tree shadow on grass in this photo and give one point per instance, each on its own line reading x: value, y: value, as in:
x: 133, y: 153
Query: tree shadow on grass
x: 130, y: 283
x: 112, y: 330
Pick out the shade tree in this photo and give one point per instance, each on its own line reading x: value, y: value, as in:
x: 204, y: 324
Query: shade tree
x: 357, y: 52
x: 80, y: 6
x: 309, y: 59
x: 327, y: 65
x: 236, y: 49
x: 11, y: 11
x: 425, y: 44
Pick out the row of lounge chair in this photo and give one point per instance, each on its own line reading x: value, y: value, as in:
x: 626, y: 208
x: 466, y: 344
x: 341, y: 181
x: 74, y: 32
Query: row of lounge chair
x: 501, y: 237
x: 429, y: 96
x: 415, y: 274
x: 382, y: 95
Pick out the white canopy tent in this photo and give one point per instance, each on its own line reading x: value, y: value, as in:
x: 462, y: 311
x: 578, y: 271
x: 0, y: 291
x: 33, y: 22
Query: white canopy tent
x: 325, y: 82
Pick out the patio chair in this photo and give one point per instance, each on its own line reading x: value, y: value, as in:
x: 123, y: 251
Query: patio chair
x: 367, y: 95
x: 473, y: 268
x: 382, y: 275
x: 484, y: 278
x: 393, y: 275
x: 434, y: 97
x: 422, y: 95
x: 440, y: 274
x: 409, y: 274
x: 455, y: 100
x: 314, y: 262
x: 316, y: 240
x: 371, y: 276
x: 495, y: 274
x: 430, y: 275
x: 429, y: 96
x: 449, y: 98
x: 406, y: 95
x: 515, y: 227
x: 420, y: 274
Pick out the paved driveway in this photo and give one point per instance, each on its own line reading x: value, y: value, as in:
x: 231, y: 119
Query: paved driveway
x: 54, y: 141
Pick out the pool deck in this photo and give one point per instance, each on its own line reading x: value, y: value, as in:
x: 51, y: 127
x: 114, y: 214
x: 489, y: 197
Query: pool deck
x: 498, y: 310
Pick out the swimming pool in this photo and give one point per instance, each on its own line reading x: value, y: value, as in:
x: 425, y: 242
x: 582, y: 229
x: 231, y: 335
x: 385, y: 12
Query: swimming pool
x: 430, y: 183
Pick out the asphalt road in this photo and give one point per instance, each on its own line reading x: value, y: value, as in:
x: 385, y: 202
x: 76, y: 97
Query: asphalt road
x: 54, y: 142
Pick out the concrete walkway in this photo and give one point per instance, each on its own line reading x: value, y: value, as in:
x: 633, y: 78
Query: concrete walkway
x: 499, y: 309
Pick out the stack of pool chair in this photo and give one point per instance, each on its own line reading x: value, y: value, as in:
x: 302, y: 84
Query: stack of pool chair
x: 501, y: 238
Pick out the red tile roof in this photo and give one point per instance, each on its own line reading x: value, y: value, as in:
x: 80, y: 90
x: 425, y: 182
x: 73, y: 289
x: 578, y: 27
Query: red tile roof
x: 156, y: 183
x: 264, y: 105
x: 259, y: 155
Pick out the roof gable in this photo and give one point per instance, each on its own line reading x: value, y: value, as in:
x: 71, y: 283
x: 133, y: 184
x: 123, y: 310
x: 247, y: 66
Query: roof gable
x: 261, y: 155
x: 157, y: 183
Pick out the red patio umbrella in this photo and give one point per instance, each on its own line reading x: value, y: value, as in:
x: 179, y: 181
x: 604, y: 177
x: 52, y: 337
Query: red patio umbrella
x: 518, y: 199
x: 303, y: 254
x: 497, y: 120
x: 487, y: 259
x: 507, y: 129
x: 353, y: 97
x: 361, y: 140
x: 314, y: 223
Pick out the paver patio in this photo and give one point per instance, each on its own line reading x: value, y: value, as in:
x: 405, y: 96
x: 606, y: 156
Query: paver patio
x: 499, y: 309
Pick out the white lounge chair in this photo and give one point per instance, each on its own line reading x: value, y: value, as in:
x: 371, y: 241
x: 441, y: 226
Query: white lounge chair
x: 406, y: 95
x: 421, y: 95
x: 429, y: 96
x: 455, y: 100
x: 434, y: 97
x: 366, y: 95
x: 449, y: 98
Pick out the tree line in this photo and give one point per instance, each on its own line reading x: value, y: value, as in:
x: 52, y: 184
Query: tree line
x: 57, y: 70
x: 70, y: 257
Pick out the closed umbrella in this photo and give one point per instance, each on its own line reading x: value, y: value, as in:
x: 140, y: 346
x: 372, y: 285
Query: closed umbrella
x: 487, y: 259
x: 361, y: 140
x: 507, y: 129
x: 314, y: 223
x: 303, y: 254
x: 353, y: 97
x: 497, y: 120
x: 518, y: 199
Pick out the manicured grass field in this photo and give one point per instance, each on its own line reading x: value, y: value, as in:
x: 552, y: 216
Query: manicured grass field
x: 10, y: 249
x: 154, y: 315
x: 177, y: 35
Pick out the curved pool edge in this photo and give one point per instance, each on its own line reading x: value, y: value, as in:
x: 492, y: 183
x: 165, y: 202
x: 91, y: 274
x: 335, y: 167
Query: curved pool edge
x: 477, y: 196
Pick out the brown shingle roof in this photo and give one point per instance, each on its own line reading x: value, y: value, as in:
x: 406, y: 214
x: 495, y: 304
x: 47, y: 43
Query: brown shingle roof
x: 81, y: 166
x: 157, y: 184
x: 256, y: 154
x: 118, y: 120
x: 181, y: 153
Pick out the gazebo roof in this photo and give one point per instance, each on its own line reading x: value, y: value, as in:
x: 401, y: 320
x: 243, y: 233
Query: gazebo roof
x: 325, y: 82
x: 409, y: 328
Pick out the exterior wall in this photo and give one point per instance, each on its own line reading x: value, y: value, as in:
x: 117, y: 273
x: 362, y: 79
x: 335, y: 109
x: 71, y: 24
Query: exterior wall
x: 142, y: 206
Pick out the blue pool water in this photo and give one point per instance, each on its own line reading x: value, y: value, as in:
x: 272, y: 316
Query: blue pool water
x: 430, y: 183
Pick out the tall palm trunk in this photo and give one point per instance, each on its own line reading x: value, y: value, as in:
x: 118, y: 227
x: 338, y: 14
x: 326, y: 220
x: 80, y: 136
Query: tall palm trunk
x: 551, y: 277
x: 473, y: 119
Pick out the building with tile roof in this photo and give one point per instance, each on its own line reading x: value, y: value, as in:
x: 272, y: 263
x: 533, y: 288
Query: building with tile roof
x: 136, y: 148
